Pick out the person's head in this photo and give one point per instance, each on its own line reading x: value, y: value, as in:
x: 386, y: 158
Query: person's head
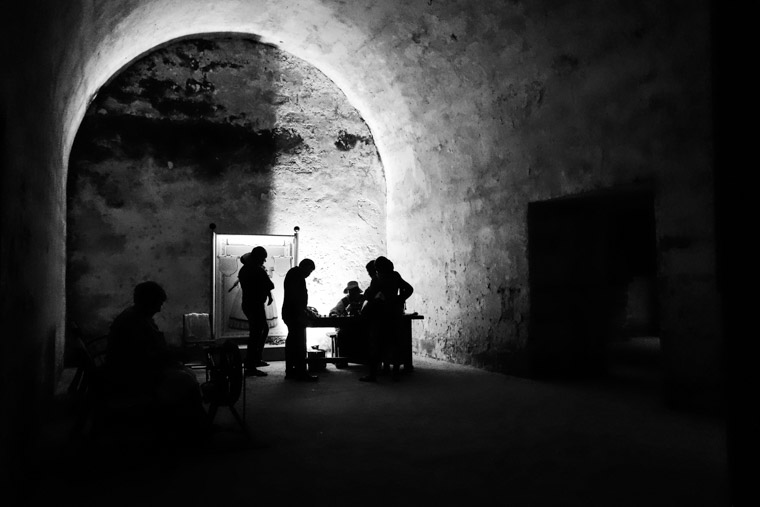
x: 259, y: 255
x: 353, y: 290
x: 371, y: 269
x: 149, y: 297
x: 307, y: 266
x: 384, y: 266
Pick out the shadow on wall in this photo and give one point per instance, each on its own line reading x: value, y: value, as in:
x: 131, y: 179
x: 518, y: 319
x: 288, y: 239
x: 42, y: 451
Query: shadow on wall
x: 592, y: 275
x: 223, y: 130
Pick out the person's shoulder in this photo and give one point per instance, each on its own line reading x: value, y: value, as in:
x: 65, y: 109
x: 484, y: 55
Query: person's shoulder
x: 399, y: 277
x: 292, y: 273
x: 126, y: 318
x: 127, y: 313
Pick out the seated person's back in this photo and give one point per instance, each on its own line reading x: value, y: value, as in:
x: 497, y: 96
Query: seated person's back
x: 139, y: 362
x: 137, y: 352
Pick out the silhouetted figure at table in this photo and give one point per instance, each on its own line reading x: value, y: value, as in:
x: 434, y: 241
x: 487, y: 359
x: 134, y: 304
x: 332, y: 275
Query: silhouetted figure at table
x: 140, y: 364
x: 349, y: 339
x: 371, y: 271
x: 384, y: 309
x: 350, y: 304
x: 257, y: 292
x: 296, y: 299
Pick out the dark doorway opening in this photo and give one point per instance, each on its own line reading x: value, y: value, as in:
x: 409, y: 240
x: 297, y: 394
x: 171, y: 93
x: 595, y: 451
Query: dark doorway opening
x: 593, y: 269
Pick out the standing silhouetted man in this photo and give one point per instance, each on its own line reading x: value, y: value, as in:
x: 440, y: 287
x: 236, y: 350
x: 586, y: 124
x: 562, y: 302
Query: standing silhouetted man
x: 294, y: 314
x: 257, y: 291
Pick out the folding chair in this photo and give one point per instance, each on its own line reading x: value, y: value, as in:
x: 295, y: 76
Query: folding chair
x: 196, y: 337
x: 95, y: 404
x: 224, y: 384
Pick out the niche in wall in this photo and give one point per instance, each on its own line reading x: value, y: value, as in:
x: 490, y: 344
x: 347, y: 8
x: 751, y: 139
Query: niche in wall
x: 592, y: 261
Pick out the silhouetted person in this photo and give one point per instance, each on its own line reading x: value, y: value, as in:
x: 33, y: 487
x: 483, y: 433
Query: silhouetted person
x: 296, y: 299
x: 139, y: 363
x: 351, y: 303
x: 349, y: 338
x: 371, y: 271
x: 385, y: 306
x: 257, y: 292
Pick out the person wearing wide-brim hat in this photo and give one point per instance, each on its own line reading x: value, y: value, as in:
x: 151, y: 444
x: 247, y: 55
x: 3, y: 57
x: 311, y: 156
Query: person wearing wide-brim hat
x: 351, y: 303
x: 352, y: 287
x: 348, y: 339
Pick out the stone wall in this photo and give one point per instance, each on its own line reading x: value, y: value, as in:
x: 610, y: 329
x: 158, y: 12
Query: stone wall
x: 226, y: 131
x: 566, y: 99
x: 476, y: 109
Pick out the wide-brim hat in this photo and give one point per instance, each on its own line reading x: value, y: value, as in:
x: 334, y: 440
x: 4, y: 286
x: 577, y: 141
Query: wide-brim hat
x: 352, y: 285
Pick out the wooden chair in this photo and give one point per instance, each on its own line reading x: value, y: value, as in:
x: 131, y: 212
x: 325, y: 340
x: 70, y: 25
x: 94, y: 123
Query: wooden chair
x: 86, y: 386
x: 96, y: 405
x: 196, y: 338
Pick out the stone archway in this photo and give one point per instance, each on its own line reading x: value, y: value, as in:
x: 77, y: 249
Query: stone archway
x: 215, y: 129
x: 365, y: 76
x: 476, y: 109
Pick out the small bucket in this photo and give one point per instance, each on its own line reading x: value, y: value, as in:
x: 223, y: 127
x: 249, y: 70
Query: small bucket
x: 316, y: 360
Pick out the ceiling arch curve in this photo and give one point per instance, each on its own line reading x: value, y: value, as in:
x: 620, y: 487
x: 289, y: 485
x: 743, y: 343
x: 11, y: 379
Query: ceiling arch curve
x: 307, y: 29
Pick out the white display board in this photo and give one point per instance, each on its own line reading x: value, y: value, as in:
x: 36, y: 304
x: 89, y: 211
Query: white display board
x: 228, y: 319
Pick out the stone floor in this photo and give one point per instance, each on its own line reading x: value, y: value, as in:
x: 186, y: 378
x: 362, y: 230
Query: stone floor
x: 443, y: 435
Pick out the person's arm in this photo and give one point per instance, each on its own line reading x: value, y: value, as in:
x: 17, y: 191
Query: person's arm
x: 304, y: 294
x: 405, y: 289
x: 265, y: 284
x: 339, y: 309
x: 369, y: 294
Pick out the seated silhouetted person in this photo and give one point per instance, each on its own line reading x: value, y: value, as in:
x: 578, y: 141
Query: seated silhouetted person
x: 350, y: 339
x: 139, y: 365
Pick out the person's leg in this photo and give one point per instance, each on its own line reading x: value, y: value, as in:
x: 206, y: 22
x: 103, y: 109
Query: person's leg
x: 300, y: 359
x: 373, y: 356
x: 290, y: 346
x: 384, y: 348
x: 295, y: 354
x: 395, y: 344
x: 263, y: 338
x: 252, y: 342
x: 257, y: 320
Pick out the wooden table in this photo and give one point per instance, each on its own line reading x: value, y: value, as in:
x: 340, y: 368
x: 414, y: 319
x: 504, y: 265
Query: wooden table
x: 346, y: 322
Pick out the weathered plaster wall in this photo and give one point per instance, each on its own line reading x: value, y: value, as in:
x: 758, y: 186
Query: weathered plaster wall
x: 32, y: 228
x: 226, y: 131
x: 476, y: 109
x: 540, y: 101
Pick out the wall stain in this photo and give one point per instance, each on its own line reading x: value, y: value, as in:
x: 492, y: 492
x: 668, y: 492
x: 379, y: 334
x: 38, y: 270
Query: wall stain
x: 565, y: 64
x: 210, y: 147
x: 348, y: 141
